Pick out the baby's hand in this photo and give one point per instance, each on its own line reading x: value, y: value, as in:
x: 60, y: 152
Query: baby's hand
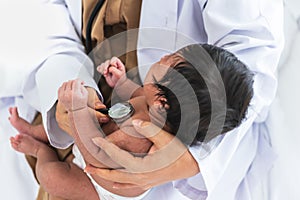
x: 73, y: 95
x: 113, y: 70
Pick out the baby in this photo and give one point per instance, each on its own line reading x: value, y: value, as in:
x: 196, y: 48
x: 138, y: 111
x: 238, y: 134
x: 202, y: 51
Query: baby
x: 165, y: 99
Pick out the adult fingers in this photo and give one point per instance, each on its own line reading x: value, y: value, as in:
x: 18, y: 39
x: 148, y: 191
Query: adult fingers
x: 113, y: 175
x: 77, y: 86
x: 123, y: 179
x: 100, y: 117
x: 157, y: 135
x: 60, y: 92
x: 168, y: 147
x: 159, y: 159
x: 62, y: 119
x: 121, y: 157
x: 128, y: 186
x: 118, y: 155
x: 93, y: 99
x: 64, y: 85
x: 69, y: 85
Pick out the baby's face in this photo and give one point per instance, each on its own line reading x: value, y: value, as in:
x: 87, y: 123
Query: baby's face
x: 157, y: 71
x: 157, y: 108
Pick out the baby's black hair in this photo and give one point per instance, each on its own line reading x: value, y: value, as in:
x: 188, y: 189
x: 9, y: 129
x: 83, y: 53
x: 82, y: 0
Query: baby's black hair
x: 187, y: 92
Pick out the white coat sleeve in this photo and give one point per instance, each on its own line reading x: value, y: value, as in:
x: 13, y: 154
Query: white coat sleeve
x: 65, y: 60
x: 252, y: 30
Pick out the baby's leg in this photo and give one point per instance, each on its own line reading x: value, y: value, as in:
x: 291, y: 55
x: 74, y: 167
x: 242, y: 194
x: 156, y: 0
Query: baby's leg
x: 59, y: 179
x: 38, y: 131
x: 28, y: 145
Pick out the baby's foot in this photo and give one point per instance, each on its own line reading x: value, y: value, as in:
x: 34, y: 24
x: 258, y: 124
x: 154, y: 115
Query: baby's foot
x: 26, y: 144
x: 24, y: 127
x: 17, y: 122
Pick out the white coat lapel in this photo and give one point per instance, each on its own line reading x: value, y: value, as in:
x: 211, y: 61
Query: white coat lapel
x: 164, y: 15
x: 157, y: 34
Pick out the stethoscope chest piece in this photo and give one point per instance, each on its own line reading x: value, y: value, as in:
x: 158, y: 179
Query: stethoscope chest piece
x: 120, y: 112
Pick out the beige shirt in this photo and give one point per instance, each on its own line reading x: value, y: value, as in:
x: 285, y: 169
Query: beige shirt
x: 115, y: 16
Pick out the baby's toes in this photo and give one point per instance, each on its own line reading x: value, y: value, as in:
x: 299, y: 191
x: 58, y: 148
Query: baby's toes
x: 14, y: 143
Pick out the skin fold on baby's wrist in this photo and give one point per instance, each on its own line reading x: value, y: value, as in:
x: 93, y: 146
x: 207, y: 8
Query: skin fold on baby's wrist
x: 77, y: 109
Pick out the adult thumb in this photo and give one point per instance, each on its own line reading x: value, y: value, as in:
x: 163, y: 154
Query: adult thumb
x: 93, y: 99
x: 154, y: 133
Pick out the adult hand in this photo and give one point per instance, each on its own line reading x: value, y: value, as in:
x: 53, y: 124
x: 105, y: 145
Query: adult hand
x: 94, y: 103
x: 167, y: 160
x: 73, y: 95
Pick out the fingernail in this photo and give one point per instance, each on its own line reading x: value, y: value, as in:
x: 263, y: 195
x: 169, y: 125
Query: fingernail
x: 88, y: 170
x: 98, y: 141
x: 98, y: 104
x: 137, y: 122
x: 115, y: 187
x: 104, y: 120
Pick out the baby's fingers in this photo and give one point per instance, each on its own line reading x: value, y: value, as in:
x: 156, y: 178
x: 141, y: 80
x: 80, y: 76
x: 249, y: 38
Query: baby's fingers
x: 102, y: 69
x: 117, y: 63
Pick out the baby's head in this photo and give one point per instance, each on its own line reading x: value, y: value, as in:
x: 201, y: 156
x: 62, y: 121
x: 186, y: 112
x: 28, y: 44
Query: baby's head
x: 191, y: 93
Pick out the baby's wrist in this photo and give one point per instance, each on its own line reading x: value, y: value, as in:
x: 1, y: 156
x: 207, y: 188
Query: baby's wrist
x: 77, y: 109
x: 122, y: 81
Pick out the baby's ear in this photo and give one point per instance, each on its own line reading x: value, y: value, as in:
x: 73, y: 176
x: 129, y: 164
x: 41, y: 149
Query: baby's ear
x: 158, y: 114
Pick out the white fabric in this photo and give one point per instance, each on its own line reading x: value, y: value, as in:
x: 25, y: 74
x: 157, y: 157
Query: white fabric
x: 161, y: 192
x: 30, y: 34
x: 253, y: 31
x: 17, y: 180
x: 256, y: 37
x: 50, y: 37
x: 250, y: 29
x: 284, y: 178
x: 18, y: 56
x: 103, y: 193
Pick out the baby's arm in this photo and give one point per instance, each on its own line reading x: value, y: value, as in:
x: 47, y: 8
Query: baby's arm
x: 74, y: 97
x: 114, y: 72
x: 36, y: 131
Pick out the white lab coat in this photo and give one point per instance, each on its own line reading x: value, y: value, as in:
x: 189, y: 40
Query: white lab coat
x: 250, y: 29
x: 254, y: 33
x: 283, y: 119
x: 33, y: 32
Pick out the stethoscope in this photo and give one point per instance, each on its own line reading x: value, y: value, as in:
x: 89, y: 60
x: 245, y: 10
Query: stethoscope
x: 90, y: 24
x: 119, y: 112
